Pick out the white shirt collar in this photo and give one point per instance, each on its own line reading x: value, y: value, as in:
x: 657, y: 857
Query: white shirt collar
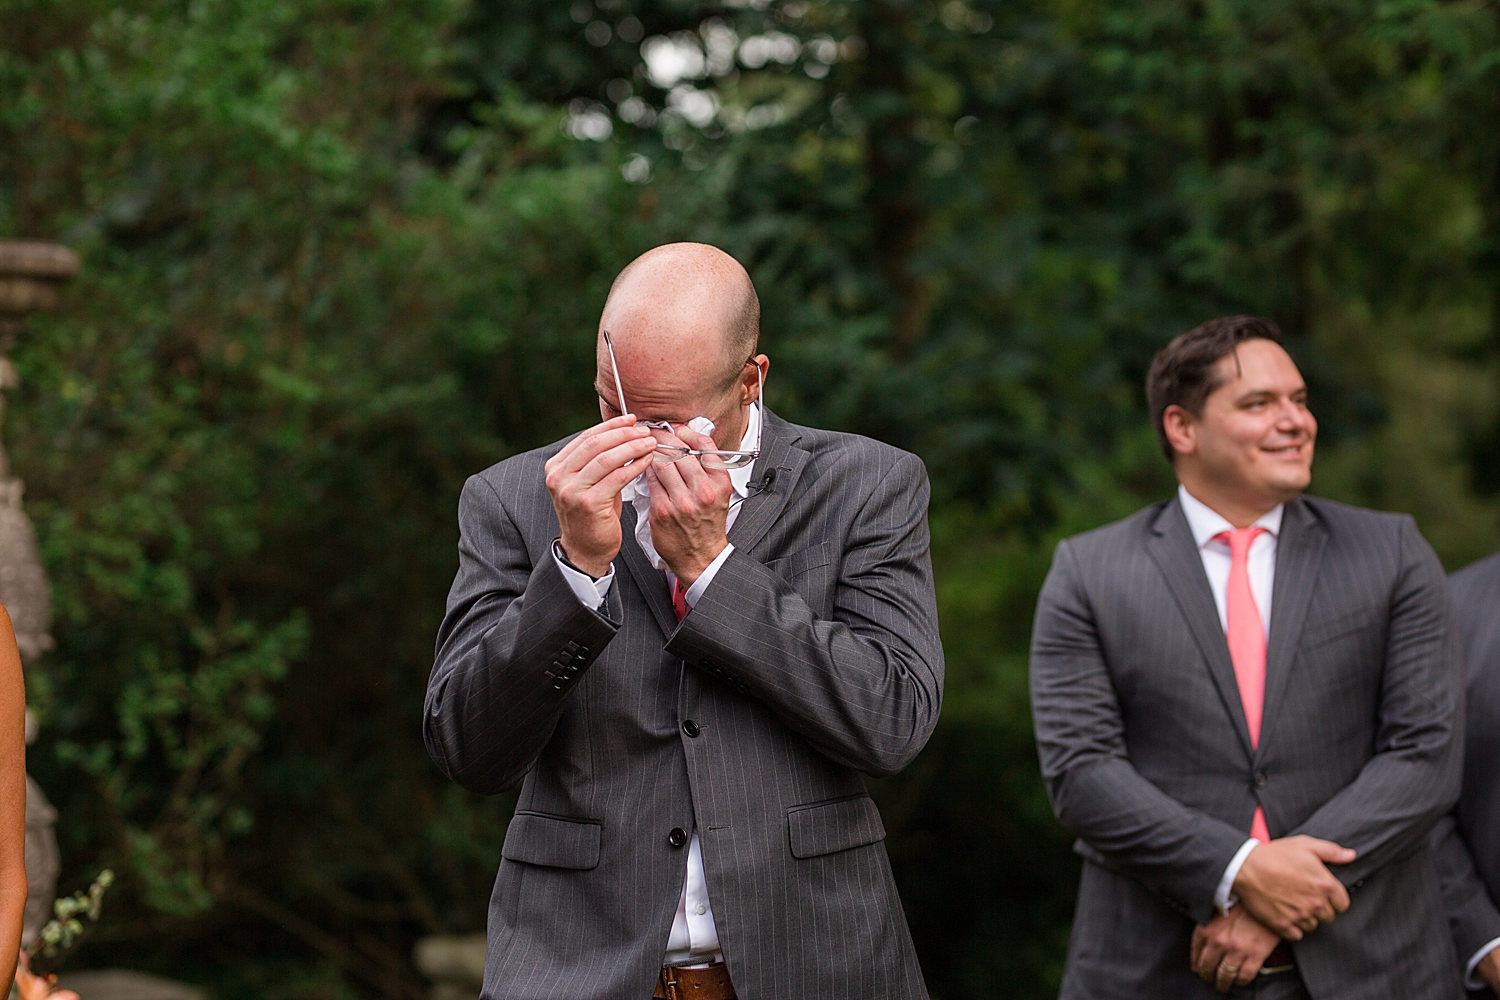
x: 1206, y: 523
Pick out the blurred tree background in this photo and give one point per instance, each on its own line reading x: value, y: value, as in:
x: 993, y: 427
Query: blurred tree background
x: 340, y: 254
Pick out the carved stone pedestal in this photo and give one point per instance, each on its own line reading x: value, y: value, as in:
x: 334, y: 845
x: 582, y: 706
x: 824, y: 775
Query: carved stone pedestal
x: 454, y: 964
x: 30, y: 274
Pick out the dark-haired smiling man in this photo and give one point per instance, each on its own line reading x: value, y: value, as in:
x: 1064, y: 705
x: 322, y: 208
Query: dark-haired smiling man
x: 1248, y: 710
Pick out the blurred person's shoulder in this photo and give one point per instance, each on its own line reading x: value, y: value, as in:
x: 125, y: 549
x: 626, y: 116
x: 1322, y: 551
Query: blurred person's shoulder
x: 1367, y: 532
x: 1339, y: 518
x: 1478, y: 579
x: 1108, y: 541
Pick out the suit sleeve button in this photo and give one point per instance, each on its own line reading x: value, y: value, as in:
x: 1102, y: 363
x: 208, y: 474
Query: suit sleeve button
x: 677, y: 837
x: 691, y: 729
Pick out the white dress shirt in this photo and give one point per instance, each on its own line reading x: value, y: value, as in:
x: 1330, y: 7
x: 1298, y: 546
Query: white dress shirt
x: 1471, y: 979
x: 694, y: 939
x: 1205, y: 524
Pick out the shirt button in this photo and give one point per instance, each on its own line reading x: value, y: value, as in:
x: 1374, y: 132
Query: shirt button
x: 677, y: 837
x: 702, y: 909
x: 691, y: 729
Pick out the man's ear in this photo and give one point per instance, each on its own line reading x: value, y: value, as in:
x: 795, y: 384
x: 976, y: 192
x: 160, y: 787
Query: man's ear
x: 751, y: 383
x: 1181, y: 429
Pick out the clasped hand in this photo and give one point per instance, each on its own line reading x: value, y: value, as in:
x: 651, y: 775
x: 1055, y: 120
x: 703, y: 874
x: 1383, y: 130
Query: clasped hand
x: 1230, y: 949
x: 1287, y: 886
x: 689, y: 504
x: 1285, y: 891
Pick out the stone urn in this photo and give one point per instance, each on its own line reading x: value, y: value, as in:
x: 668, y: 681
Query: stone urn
x: 30, y: 275
x: 454, y: 964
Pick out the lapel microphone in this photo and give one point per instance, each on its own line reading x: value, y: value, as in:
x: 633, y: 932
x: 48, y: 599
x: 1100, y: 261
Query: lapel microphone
x: 756, y: 489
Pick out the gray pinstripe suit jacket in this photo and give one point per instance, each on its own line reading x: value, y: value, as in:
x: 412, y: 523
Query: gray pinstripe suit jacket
x: 812, y: 657
x: 1147, y: 756
x: 1468, y: 841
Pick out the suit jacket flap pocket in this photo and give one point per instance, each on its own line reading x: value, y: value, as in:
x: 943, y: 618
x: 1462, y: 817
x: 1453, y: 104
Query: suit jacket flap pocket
x: 826, y: 827
x: 801, y: 561
x: 554, y: 841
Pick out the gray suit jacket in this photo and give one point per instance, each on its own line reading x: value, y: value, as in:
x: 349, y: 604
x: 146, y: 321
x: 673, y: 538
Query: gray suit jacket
x: 1148, y: 761
x: 813, y: 657
x: 1468, y: 841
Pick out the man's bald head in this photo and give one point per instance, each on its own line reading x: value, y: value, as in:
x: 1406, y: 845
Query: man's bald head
x: 689, y: 301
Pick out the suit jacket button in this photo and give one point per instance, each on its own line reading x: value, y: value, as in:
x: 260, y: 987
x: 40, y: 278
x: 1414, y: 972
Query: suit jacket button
x: 691, y: 728
x: 1260, y: 779
x: 677, y: 837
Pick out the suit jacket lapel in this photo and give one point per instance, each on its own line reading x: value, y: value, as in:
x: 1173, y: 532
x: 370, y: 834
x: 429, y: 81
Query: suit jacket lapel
x: 1176, y: 554
x: 1299, y: 556
x: 650, y: 581
x: 781, y: 459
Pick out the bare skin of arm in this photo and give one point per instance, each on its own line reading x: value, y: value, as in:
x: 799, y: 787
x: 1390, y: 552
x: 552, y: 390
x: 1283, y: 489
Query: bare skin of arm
x: 12, y: 798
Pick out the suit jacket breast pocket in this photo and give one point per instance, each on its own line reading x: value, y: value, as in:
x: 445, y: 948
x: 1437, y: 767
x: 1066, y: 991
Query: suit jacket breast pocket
x: 1358, y: 623
x: 809, y: 572
x: 553, y: 841
x: 838, y: 825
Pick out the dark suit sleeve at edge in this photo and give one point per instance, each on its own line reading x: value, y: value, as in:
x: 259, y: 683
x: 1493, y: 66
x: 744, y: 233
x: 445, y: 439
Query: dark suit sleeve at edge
x: 865, y: 688
x: 1472, y: 915
x: 1096, y: 792
x: 1414, y: 777
x: 492, y: 701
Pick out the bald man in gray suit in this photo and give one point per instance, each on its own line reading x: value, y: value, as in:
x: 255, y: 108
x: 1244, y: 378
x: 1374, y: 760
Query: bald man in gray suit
x: 1468, y: 841
x: 687, y: 637
x: 1247, y: 706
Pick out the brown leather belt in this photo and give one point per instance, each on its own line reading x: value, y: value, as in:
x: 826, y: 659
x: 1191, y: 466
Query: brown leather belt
x: 1280, y: 960
x: 677, y: 983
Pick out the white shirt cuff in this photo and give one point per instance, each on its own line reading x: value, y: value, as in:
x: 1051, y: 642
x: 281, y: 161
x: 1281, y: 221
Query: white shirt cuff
x: 590, y: 591
x: 701, y: 584
x: 1472, y: 981
x: 1224, y: 898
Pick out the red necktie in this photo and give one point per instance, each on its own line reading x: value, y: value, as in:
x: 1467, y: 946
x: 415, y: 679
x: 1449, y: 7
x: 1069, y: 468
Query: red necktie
x: 680, y: 606
x: 1247, y: 643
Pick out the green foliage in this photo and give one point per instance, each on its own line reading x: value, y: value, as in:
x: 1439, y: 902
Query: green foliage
x: 341, y: 254
x: 65, y: 928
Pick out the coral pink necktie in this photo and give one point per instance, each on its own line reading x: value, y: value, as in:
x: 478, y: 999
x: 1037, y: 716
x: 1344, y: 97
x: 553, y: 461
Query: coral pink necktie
x: 680, y: 607
x: 1247, y: 643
